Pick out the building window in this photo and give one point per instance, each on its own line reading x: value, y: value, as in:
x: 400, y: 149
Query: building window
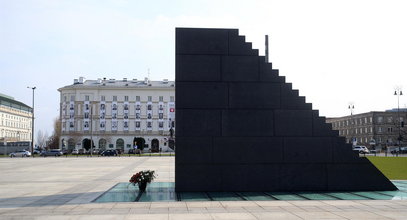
x: 161, y: 98
x: 114, y: 98
x: 86, y: 98
x: 126, y: 98
x: 161, y: 124
x: 379, y: 129
x: 149, y: 124
x: 172, y: 99
x: 102, y: 98
x: 390, y: 119
x: 72, y: 98
x: 380, y: 119
x: 137, y: 124
x: 371, y: 119
x: 365, y: 120
x: 371, y: 129
x: 64, y: 98
x: 365, y: 130
x: 150, y: 98
x: 137, y: 98
x: 389, y: 129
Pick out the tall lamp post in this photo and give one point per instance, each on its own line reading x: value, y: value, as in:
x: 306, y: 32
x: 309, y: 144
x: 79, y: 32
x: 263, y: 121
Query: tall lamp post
x: 91, y: 129
x: 32, y: 123
x: 351, y: 107
x: 398, y: 93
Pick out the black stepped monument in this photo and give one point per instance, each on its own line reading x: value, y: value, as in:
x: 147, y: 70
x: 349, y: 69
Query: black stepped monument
x: 241, y: 127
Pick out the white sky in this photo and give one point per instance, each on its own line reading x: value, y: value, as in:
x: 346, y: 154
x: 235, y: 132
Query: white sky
x: 334, y: 52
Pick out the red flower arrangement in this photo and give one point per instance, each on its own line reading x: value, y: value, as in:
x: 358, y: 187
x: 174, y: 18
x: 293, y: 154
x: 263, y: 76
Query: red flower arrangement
x: 145, y: 176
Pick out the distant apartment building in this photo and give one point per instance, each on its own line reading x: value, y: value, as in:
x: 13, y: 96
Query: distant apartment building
x: 117, y: 113
x: 372, y: 128
x: 15, y: 123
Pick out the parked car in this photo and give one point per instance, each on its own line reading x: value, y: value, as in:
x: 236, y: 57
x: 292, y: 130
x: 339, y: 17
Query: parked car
x: 109, y: 153
x: 55, y: 153
x: 402, y: 150
x: 36, y: 152
x: 81, y: 151
x: 20, y: 153
x: 361, y: 149
x: 75, y: 151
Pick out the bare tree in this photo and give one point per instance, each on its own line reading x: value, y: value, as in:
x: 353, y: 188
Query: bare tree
x: 42, y: 139
x: 53, y: 140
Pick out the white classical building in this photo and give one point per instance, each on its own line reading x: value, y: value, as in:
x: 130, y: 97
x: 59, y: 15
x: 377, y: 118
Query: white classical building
x: 116, y: 114
x: 15, y: 120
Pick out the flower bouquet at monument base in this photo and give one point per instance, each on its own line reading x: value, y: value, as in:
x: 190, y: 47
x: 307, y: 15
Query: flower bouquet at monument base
x: 142, y: 178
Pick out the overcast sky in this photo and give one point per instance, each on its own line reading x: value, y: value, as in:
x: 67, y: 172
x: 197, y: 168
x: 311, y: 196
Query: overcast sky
x: 334, y: 52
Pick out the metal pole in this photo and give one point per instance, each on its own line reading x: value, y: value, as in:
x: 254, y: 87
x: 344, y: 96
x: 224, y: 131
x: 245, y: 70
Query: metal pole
x: 32, y: 123
x: 91, y: 130
x: 267, y: 49
x: 398, y: 92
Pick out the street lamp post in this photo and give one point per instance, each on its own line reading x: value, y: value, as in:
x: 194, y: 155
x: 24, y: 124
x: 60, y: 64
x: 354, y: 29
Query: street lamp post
x: 91, y: 130
x: 32, y: 123
x: 398, y: 93
x: 351, y: 107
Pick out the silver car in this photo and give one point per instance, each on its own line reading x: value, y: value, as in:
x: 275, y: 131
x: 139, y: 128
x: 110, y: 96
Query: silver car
x: 361, y: 149
x: 20, y: 153
x: 55, y: 153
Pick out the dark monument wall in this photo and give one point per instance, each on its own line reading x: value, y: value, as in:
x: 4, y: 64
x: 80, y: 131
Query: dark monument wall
x: 241, y: 127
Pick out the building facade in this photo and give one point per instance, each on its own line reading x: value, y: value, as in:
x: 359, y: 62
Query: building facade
x: 15, y: 120
x: 370, y: 129
x: 117, y: 114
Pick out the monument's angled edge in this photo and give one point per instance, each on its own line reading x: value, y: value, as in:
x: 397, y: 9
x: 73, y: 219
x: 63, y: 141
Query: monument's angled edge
x: 241, y: 127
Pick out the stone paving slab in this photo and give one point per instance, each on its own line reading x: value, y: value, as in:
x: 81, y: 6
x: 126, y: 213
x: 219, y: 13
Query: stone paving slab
x: 64, y: 188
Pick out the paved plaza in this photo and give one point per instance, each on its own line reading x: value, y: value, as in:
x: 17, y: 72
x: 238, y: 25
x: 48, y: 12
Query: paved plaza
x: 64, y: 188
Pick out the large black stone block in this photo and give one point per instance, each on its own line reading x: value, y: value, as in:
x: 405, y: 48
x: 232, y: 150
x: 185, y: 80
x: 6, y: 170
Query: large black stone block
x: 290, y: 99
x: 241, y: 127
x: 247, y: 123
x: 198, y: 123
x: 308, y: 150
x: 343, y: 153
x: 198, y: 68
x: 201, y: 41
x: 259, y: 96
x: 320, y: 127
x: 267, y: 176
x: 268, y: 74
x: 238, y: 46
x: 247, y: 150
x: 240, y: 68
x: 297, y: 177
x: 202, y: 95
x: 293, y: 122
x: 204, y: 177
x: 351, y: 177
x: 194, y: 150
